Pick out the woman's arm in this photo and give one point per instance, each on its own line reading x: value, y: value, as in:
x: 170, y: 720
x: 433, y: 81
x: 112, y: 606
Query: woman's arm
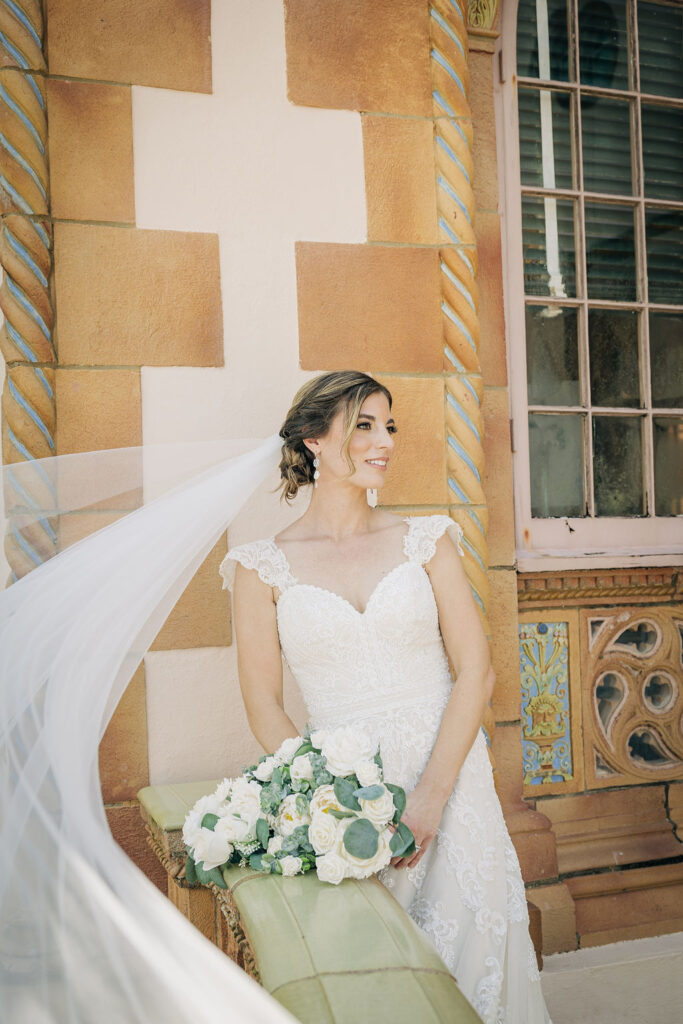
x: 259, y: 660
x: 468, y: 651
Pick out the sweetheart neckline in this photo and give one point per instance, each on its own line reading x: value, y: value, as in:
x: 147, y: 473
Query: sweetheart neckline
x: 344, y: 600
x: 324, y: 590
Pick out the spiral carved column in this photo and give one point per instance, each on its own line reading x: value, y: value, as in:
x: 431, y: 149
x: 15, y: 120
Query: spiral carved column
x: 28, y: 400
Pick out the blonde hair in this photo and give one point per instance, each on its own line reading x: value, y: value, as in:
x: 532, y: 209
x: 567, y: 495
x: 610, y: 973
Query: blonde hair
x: 315, y: 405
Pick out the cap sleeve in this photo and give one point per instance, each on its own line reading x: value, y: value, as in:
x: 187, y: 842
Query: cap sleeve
x: 425, y: 531
x: 261, y: 555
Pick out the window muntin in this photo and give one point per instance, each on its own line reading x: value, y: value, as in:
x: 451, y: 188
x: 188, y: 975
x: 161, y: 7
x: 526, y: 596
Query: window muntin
x: 601, y: 173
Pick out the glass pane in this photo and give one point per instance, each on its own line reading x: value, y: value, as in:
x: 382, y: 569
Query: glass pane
x: 548, y: 241
x: 552, y: 356
x: 660, y: 42
x: 610, y: 251
x: 556, y: 459
x: 551, y: 42
x: 617, y: 466
x: 545, y: 148
x: 664, y: 245
x: 613, y: 345
x: 606, y: 140
x: 663, y: 151
x: 668, y: 441
x: 603, y: 44
x: 666, y: 360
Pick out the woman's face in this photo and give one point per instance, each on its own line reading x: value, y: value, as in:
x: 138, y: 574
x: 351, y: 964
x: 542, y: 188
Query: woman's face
x: 371, y: 445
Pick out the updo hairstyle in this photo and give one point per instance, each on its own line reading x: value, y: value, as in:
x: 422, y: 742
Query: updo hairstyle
x: 315, y: 405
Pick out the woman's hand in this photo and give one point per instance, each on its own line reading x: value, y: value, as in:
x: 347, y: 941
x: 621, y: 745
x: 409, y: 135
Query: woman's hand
x: 422, y: 815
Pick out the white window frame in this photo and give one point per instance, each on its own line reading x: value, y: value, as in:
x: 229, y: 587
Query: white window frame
x: 558, y: 543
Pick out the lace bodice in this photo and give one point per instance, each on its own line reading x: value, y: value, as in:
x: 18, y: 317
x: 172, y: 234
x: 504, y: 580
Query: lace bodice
x: 351, y: 664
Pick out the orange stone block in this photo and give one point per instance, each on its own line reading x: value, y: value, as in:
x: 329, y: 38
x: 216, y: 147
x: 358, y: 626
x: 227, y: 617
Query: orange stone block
x: 91, y: 151
x: 400, y: 179
x: 359, y: 56
x: 498, y: 476
x: 123, y: 750
x: 201, y: 618
x: 369, y: 307
x: 166, y: 44
x: 128, y: 829
x: 134, y: 297
x: 558, y: 917
x: 506, y: 700
x: 417, y: 473
x: 484, y: 151
x: 492, y: 352
x: 97, y: 409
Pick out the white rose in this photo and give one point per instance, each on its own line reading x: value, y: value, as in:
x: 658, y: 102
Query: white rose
x: 318, y: 737
x: 287, y: 749
x: 291, y: 865
x: 264, y: 769
x: 209, y: 804
x: 368, y: 773
x: 288, y: 816
x: 322, y: 832
x: 379, y: 811
x: 301, y: 768
x: 234, y: 830
x: 245, y: 800
x: 331, y: 868
x: 356, y: 866
x: 345, y: 747
x: 211, y: 849
x: 223, y: 789
x: 274, y: 844
x: 324, y: 799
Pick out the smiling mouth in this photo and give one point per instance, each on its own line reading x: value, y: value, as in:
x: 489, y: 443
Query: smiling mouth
x: 380, y: 463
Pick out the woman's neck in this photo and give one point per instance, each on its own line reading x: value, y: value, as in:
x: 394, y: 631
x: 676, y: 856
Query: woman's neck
x: 337, y: 510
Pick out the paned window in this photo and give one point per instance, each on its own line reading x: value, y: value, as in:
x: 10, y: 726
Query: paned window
x: 598, y: 398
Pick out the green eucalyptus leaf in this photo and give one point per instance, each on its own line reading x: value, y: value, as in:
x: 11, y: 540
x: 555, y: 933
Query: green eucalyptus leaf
x: 216, y: 876
x: 209, y: 821
x: 341, y: 814
x: 276, y: 780
x: 276, y: 867
x: 262, y: 832
x: 402, y: 842
x: 344, y: 792
x: 305, y: 748
x: 190, y: 870
x: 399, y: 796
x: 369, y: 792
x: 361, y: 839
x: 255, y: 862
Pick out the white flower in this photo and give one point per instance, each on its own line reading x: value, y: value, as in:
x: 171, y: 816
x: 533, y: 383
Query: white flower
x: 324, y: 799
x: 287, y: 749
x: 288, y: 817
x: 345, y: 747
x: 274, y: 844
x: 368, y: 773
x: 322, y: 832
x: 301, y: 768
x: 356, y: 867
x: 223, y: 789
x: 211, y: 848
x: 318, y: 737
x: 245, y: 800
x: 331, y: 868
x: 210, y: 804
x: 264, y: 770
x: 291, y: 865
x: 379, y: 811
x: 234, y: 830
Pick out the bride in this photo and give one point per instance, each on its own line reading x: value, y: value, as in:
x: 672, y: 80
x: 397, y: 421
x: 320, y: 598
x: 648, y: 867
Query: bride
x: 373, y: 612
x: 368, y: 609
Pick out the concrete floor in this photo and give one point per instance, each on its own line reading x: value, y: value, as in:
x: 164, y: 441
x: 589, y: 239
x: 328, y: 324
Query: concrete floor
x: 639, y: 982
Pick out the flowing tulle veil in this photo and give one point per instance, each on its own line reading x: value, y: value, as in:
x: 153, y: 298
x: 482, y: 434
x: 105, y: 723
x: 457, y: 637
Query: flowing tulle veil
x: 83, y: 934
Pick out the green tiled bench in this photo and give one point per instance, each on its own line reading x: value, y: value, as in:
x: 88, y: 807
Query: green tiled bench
x: 329, y: 954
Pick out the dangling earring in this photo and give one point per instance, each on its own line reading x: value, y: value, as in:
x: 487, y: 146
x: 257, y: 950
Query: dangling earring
x: 316, y: 467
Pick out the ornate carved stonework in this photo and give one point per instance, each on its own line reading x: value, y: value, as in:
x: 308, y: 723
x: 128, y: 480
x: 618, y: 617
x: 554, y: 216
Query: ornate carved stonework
x: 599, y: 587
x: 481, y: 14
x: 633, y: 695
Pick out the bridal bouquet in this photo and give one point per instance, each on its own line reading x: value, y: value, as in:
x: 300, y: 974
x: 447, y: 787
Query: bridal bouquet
x: 320, y: 801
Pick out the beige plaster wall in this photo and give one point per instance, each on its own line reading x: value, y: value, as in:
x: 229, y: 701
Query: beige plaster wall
x: 248, y: 165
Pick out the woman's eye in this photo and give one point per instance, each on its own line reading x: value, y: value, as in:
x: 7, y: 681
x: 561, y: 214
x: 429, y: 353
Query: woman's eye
x: 392, y: 429
x: 362, y: 424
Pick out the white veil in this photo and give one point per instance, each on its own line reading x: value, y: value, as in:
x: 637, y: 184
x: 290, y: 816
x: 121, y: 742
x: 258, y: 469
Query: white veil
x: 84, y: 936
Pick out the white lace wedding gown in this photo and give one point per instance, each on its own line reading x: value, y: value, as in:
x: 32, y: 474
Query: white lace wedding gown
x: 386, y: 669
